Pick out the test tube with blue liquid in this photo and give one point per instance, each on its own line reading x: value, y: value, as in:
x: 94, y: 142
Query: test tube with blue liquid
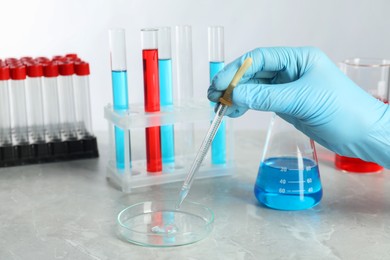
x: 166, y: 95
x: 217, y: 62
x: 119, y: 89
x: 288, y: 177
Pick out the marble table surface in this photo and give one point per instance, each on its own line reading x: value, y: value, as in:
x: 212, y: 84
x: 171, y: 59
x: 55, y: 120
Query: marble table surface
x: 68, y: 211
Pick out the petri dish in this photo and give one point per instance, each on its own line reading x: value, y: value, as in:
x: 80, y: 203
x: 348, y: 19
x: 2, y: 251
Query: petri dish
x: 160, y: 224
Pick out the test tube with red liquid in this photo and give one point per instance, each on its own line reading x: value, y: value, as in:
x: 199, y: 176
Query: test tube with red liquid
x: 151, y: 98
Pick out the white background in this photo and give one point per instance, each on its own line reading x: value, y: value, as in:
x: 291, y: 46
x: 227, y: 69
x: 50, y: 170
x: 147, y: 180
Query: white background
x: 342, y: 29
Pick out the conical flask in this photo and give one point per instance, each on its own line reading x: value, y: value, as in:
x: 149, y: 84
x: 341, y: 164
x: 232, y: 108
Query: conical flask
x: 288, y: 177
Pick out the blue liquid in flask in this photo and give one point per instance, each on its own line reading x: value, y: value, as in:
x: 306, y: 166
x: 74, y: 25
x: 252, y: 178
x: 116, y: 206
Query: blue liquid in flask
x: 218, y: 146
x: 166, y: 100
x: 288, y: 183
x: 120, y: 100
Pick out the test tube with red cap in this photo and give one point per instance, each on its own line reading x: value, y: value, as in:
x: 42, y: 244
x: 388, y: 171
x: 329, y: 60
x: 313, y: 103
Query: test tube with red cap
x: 82, y: 100
x: 35, y: 103
x: 66, y: 101
x: 18, y: 105
x: 51, y: 103
x: 5, y: 110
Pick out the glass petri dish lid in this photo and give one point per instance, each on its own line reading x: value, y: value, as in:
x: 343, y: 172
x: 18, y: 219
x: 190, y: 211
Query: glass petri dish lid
x: 160, y: 224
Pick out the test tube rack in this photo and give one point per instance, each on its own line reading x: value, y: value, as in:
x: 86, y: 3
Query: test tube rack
x: 15, y: 155
x: 196, y: 114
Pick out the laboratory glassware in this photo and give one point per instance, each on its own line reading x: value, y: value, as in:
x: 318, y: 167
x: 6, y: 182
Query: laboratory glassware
x: 66, y: 101
x: 216, y: 63
x: 160, y: 224
x: 82, y: 100
x: 51, y: 102
x: 18, y: 105
x: 5, y: 108
x: 224, y: 102
x: 288, y: 177
x: 35, y: 103
x: 117, y: 38
x: 166, y: 93
x: 149, y: 39
x: 372, y: 75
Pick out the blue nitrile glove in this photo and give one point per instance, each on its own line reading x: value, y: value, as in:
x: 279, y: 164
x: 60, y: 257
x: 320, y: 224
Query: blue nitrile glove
x: 308, y: 90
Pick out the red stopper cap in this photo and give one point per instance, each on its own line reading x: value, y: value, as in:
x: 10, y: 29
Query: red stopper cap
x: 18, y: 72
x: 4, y: 72
x: 42, y: 60
x: 81, y: 68
x: 11, y: 60
x: 66, y: 68
x: 26, y: 58
x: 34, y: 70
x: 71, y: 55
x: 50, y: 70
x: 59, y: 58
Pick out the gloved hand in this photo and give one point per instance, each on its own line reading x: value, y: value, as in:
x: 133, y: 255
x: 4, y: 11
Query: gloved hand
x: 306, y: 89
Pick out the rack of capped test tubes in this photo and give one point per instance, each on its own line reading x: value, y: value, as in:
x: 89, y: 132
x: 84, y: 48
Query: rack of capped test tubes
x: 45, y: 113
x: 155, y: 142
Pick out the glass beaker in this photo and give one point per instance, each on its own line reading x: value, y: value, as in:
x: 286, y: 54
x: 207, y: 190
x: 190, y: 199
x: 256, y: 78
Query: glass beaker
x: 372, y: 75
x: 288, y: 178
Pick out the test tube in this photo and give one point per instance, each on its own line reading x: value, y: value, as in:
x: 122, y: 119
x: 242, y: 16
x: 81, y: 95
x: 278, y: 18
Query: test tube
x: 5, y: 113
x: 166, y: 94
x: 83, y: 101
x: 119, y: 89
x: 66, y: 101
x: 18, y: 105
x: 216, y: 63
x: 51, y: 102
x: 151, y: 98
x: 35, y: 103
x: 185, y: 89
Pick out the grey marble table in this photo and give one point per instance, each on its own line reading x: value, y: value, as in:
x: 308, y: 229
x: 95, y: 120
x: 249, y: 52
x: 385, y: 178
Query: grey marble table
x: 68, y: 211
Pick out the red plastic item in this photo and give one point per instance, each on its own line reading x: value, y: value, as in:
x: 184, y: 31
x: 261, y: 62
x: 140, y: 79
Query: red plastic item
x: 66, y: 68
x: 152, y: 104
x: 50, y: 70
x: 81, y: 68
x: 71, y: 55
x: 42, y: 60
x: 18, y: 72
x: 11, y: 61
x: 4, y: 72
x: 34, y: 70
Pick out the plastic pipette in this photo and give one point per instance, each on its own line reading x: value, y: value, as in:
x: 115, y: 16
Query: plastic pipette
x: 224, y: 102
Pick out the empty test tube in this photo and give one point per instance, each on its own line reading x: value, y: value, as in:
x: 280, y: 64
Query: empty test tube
x: 5, y: 113
x: 51, y: 102
x: 18, y: 105
x: 216, y: 63
x: 185, y: 89
x: 82, y: 99
x: 119, y: 89
x: 35, y: 102
x: 66, y: 101
x: 166, y: 93
x: 149, y: 39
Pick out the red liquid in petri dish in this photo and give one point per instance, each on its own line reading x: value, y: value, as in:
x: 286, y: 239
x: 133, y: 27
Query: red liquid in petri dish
x: 355, y: 164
